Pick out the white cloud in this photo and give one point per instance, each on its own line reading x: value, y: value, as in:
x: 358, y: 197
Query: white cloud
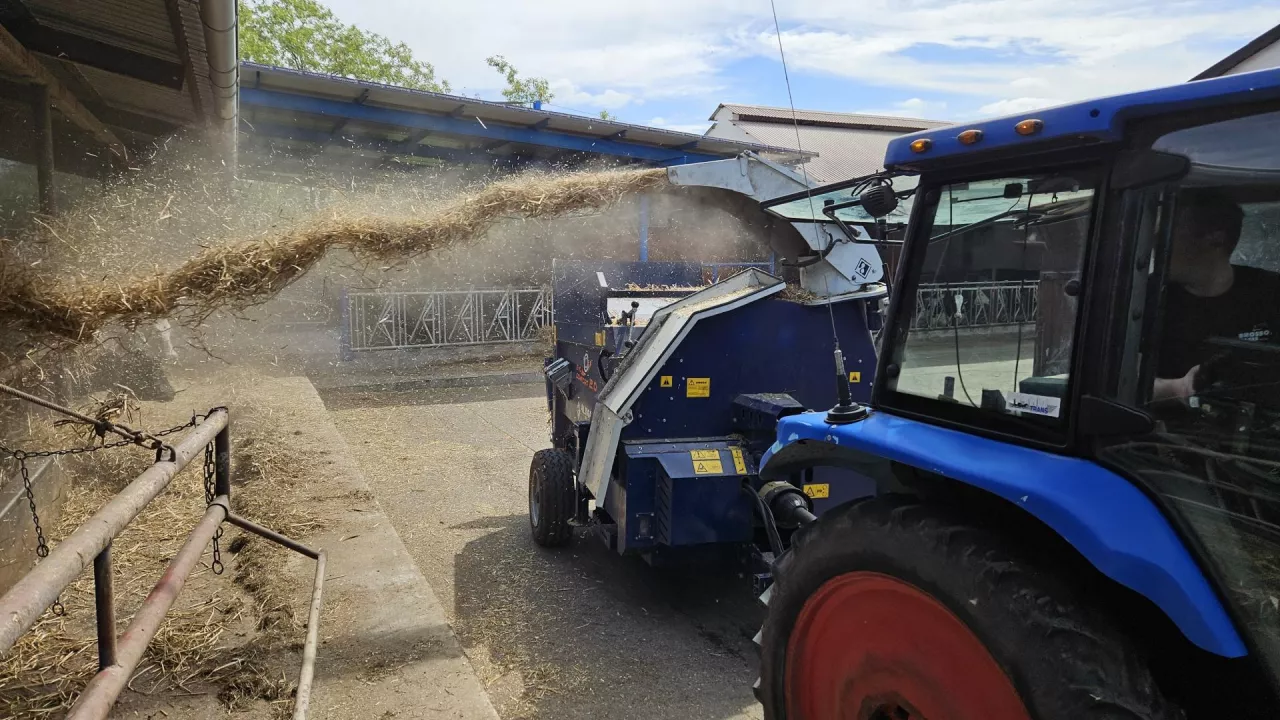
x: 570, y: 95
x: 991, y: 51
x: 1013, y: 106
x: 913, y: 108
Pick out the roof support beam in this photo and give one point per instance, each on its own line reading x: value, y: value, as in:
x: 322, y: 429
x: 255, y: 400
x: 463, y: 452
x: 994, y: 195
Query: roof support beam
x: 19, y: 61
x: 184, y: 52
x: 42, y: 115
x: 448, y: 125
x: 541, y: 124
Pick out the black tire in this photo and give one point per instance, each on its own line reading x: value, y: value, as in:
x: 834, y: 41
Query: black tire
x: 551, y: 497
x: 1065, y: 659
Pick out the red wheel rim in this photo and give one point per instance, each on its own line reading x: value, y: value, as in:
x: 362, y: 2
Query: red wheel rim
x: 867, y: 646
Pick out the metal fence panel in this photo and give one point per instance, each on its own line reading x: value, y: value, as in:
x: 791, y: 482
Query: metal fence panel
x: 423, y: 319
x: 981, y: 304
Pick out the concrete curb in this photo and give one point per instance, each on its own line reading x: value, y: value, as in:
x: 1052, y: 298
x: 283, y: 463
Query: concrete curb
x: 431, y: 383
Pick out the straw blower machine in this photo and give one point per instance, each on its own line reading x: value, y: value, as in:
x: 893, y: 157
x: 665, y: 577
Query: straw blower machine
x: 665, y: 392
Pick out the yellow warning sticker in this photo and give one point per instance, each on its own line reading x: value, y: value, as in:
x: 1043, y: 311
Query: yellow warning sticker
x: 708, y: 467
x: 600, y: 338
x: 739, y: 464
x: 697, y: 387
x: 664, y: 381
x: 704, y: 455
x: 819, y: 490
x: 855, y: 376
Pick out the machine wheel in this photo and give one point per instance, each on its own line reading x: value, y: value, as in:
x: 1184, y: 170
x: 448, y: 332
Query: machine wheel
x: 551, y: 497
x: 892, y: 610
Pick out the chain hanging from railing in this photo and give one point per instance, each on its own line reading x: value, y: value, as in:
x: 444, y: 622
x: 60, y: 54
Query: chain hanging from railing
x: 101, y: 427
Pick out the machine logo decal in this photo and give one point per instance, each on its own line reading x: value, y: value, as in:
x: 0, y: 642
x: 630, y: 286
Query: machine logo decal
x: 818, y: 491
x: 586, y: 361
x: 697, y: 387
x: 1259, y: 333
x: 862, y: 269
x: 739, y: 463
x: 1033, y: 404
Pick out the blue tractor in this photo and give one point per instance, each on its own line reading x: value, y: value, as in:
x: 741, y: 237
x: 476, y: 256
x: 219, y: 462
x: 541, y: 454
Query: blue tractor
x: 1076, y: 463
x: 1055, y: 496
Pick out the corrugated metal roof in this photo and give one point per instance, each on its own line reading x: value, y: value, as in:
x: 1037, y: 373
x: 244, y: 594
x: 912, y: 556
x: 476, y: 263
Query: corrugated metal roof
x: 763, y: 113
x: 138, y: 25
x: 257, y: 76
x: 843, y: 153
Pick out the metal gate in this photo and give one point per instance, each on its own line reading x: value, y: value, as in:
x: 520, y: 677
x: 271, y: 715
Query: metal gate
x: 981, y: 304
x: 425, y: 319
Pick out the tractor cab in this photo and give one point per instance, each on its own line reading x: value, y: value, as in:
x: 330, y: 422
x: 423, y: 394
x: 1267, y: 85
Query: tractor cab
x: 1076, y: 413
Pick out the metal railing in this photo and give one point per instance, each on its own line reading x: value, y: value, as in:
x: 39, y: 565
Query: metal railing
x: 981, y: 304
x: 119, y: 655
x: 423, y: 319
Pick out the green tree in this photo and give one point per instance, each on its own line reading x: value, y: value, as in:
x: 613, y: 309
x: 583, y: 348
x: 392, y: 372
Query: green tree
x: 524, y: 90
x: 606, y: 115
x: 306, y: 35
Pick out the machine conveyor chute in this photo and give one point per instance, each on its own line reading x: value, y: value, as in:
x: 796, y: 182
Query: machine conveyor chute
x: 667, y: 328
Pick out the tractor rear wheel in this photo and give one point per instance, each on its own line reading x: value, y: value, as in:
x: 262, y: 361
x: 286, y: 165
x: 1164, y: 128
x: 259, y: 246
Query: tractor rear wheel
x: 551, y: 497
x: 892, y: 610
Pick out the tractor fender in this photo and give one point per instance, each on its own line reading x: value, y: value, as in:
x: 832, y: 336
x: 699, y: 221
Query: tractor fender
x: 1102, y: 515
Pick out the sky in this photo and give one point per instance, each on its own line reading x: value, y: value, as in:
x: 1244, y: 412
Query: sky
x: 669, y: 63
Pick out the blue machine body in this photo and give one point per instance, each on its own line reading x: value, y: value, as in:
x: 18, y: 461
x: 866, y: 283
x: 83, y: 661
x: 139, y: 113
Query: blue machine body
x: 660, y: 497
x: 1103, y: 515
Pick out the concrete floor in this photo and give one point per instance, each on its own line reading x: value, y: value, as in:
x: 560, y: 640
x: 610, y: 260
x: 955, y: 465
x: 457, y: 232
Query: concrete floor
x: 576, y: 632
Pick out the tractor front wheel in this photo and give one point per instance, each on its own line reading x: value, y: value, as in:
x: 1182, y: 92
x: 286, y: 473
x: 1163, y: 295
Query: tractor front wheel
x: 892, y: 610
x: 551, y: 497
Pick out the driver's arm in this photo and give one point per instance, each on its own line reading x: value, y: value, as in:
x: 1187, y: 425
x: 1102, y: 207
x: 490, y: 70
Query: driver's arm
x: 1175, y: 388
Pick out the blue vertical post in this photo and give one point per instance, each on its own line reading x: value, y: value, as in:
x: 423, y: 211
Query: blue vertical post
x: 773, y: 261
x: 344, y: 326
x: 644, y: 228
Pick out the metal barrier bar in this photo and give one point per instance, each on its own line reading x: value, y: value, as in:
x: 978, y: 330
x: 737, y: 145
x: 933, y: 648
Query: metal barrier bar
x: 273, y: 536
x: 100, y: 694
x: 118, y: 658
x: 104, y: 602
x: 307, y: 674
x: 27, y: 600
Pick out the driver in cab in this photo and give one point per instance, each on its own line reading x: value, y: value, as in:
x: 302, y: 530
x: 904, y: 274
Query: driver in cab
x: 1206, y: 296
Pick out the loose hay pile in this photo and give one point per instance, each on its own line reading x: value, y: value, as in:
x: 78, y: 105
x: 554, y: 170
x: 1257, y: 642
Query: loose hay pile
x: 239, y: 276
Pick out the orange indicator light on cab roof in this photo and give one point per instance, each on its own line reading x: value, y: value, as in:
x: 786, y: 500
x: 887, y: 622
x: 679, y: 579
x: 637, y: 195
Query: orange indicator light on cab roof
x: 969, y: 137
x: 921, y: 145
x: 1030, y: 126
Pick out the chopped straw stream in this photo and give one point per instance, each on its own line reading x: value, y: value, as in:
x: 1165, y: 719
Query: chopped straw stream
x: 239, y: 276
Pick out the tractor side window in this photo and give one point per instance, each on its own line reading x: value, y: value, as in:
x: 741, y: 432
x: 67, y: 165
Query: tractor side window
x: 1208, y: 364
x: 993, y: 321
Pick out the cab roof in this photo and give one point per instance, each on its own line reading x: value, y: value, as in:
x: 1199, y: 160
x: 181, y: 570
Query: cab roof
x: 1083, y: 123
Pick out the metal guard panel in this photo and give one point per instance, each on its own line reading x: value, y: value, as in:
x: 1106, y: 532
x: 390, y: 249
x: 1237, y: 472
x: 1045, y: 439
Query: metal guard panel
x: 667, y: 328
x: 1100, y: 513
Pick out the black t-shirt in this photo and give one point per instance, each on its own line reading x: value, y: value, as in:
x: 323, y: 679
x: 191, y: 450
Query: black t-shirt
x: 1249, y: 312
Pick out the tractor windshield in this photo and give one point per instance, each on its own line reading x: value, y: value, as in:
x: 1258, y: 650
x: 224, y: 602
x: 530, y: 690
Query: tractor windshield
x: 1204, y: 360
x: 990, y: 321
